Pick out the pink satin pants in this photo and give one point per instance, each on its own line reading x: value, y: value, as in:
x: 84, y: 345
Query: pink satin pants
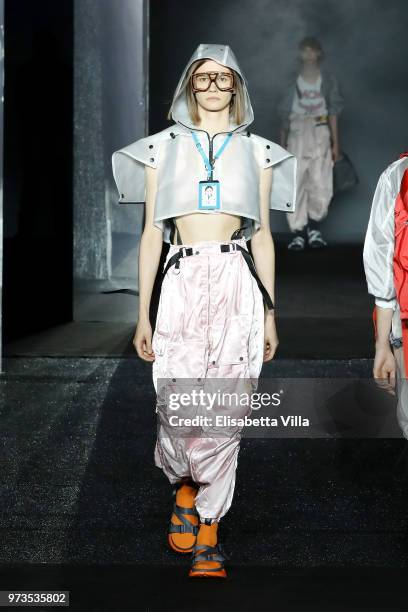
x: 209, y: 328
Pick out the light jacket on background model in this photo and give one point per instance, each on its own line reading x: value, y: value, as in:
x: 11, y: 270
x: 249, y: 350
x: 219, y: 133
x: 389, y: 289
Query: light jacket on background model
x: 329, y: 88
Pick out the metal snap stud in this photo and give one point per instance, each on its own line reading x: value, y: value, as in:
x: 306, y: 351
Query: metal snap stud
x: 213, y: 362
x: 267, y: 161
x: 268, y: 146
x: 198, y: 379
x: 123, y: 195
x: 150, y: 146
x: 288, y: 204
x: 241, y: 359
x: 173, y: 380
x: 152, y: 159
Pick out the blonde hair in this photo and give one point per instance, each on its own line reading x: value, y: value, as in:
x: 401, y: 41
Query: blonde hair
x: 237, y: 104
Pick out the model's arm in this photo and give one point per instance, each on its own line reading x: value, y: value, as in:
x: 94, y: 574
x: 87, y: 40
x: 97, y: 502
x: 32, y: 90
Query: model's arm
x: 151, y: 243
x: 263, y: 251
x: 283, y: 138
x: 335, y: 104
x: 384, y: 362
x: 283, y: 109
x: 378, y: 264
x: 334, y: 137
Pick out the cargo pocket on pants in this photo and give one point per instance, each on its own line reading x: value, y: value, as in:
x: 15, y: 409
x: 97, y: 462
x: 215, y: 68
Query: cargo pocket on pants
x: 185, y: 381
x: 229, y: 367
x: 230, y: 345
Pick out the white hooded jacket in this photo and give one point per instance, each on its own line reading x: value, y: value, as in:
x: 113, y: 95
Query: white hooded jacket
x: 180, y: 166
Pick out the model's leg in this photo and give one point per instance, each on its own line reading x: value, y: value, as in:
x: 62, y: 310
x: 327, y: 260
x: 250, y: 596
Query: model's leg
x: 297, y: 220
x: 170, y: 456
x: 174, y: 356
x: 236, y: 358
x: 213, y: 463
x: 183, y: 536
x: 321, y: 185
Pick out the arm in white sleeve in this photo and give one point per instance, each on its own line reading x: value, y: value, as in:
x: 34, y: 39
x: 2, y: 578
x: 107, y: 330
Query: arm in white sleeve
x: 379, y: 245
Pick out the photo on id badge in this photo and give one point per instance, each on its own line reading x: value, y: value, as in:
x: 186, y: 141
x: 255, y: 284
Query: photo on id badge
x: 208, y: 195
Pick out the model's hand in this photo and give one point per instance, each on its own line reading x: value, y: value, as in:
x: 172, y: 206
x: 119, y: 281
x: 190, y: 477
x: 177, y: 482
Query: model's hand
x: 384, y: 368
x: 271, y: 337
x: 143, y: 340
x: 336, y: 153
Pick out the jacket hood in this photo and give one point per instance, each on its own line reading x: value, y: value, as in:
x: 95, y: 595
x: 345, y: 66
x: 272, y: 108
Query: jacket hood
x: 224, y: 55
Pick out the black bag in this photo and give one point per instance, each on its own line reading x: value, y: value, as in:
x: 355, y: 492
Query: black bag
x: 344, y: 175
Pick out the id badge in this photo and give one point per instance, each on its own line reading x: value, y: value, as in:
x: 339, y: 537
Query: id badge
x: 209, y: 195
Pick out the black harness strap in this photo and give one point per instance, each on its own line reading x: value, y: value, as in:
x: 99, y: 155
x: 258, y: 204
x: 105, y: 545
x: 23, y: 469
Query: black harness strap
x: 175, y: 259
x: 225, y: 248
x: 252, y: 269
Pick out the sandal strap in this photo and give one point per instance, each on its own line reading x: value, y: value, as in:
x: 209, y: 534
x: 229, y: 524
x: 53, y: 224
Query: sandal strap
x: 182, y: 510
x: 183, y: 528
x: 204, y: 552
x: 187, y: 526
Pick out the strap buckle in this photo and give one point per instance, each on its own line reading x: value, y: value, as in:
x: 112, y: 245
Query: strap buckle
x: 228, y: 248
x: 185, y: 251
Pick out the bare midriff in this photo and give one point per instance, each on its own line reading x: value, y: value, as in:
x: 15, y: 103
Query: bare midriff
x: 197, y: 227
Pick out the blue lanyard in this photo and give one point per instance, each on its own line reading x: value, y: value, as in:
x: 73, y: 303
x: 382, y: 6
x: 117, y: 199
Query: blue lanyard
x: 207, y: 163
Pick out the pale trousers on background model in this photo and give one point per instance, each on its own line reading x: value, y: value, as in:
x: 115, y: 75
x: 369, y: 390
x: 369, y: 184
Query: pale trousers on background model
x: 309, y: 141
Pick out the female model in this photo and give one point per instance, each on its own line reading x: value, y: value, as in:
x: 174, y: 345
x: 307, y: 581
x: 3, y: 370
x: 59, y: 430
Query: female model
x: 309, y: 109
x: 204, y: 176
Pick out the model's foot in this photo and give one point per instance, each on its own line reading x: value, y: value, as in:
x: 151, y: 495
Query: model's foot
x: 208, y: 561
x: 315, y: 239
x: 298, y: 241
x: 184, y: 520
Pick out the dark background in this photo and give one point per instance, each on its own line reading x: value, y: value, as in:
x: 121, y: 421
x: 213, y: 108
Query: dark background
x: 38, y: 116
x: 365, y: 44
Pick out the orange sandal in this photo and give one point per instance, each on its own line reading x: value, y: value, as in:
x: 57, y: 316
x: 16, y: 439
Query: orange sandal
x: 185, y: 528
x: 202, y: 554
